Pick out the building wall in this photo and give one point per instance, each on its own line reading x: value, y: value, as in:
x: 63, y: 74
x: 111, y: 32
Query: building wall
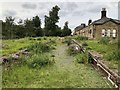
x: 107, y: 26
x: 95, y: 31
x: 87, y: 31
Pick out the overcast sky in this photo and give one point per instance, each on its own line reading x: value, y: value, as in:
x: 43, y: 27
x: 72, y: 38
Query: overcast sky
x: 73, y: 12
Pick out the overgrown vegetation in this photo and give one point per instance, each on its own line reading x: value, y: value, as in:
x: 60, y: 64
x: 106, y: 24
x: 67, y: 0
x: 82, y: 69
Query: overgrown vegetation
x: 39, y: 60
x: 39, y: 47
x: 81, y: 58
x: 107, y: 48
x: 38, y: 70
x: 81, y: 38
x: 104, y: 40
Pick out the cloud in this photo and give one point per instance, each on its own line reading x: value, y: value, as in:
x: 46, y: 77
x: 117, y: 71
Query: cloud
x: 71, y: 6
x: 29, y: 6
x: 9, y: 13
x: 73, y: 12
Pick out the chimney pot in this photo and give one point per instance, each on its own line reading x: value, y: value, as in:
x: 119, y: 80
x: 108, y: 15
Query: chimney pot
x: 103, y: 13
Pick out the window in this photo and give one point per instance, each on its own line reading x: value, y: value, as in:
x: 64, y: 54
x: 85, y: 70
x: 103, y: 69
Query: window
x: 114, y: 33
x: 90, y: 31
x: 108, y: 33
x: 103, y: 32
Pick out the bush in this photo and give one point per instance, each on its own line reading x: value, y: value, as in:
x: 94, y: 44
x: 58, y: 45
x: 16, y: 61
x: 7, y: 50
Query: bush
x: 52, y: 41
x: 68, y: 41
x: 45, y: 38
x: 81, y: 38
x: 104, y: 40
x: 115, y: 55
x: 72, y: 50
x: 119, y: 44
x: 84, y: 44
x: 39, y: 48
x: 38, y: 38
x: 30, y: 38
x: 39, y: 60
x: 82, y: 58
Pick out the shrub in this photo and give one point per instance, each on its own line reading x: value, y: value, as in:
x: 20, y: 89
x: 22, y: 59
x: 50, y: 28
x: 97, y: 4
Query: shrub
x: 72, y: 51
x: 39, y: 47
x: 52, y: 41
x: 30, y: 38
x: 39, y: 60
x: 104, y: 40
x: 119, y: 44
x: 81, y: 38
x: 82, y: 58
x: 68, y: 41
x: 38, y: 38
x: 115, y: 55
x: 45, y: 38
x: 84, y: 44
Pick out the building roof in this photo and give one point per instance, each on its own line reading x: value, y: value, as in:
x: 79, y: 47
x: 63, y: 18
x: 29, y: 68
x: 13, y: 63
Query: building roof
x: 78, y: 28
x: 104, y: 20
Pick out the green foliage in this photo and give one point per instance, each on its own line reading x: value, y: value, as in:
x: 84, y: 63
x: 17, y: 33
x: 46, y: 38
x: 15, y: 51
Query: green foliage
x: 34, y: 72
x: 39, y: 38
x: 84, y: 44
x: 39, y: 47
x: 39, y: 60
x: 45, y: 38
x: 81, y: 38
x: 68, y: 42
x: 82, y: 58
x: 115, y: 55
x: 8, y: 28
x: 104, y: 40
x: 66, y: 30
x: 36, y: 21
x: 50, y: 22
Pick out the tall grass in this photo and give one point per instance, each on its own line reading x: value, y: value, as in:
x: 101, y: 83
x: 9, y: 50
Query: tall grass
x: 39, y: 60
x: 81, y: 38
x: 39, y: 48
x: 104, y: 40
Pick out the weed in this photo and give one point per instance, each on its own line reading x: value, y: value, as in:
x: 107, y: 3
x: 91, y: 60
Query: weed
x: 82, y: 58
x: 115, y: 55
x: 104, y: 40
x: 84, y: 44
x: 45, y: 38
x: 81, y: 38
x: 39, y: 60
x: 39, y: 47
x: 38, y: 38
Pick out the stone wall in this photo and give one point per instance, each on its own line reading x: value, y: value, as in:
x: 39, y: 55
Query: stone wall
x: 109, y: 25
x: 95, y: 31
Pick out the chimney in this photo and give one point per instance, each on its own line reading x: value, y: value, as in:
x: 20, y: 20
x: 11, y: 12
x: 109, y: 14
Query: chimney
x: 89, y: 21
x: 83, y: 25
x: 103, y: 13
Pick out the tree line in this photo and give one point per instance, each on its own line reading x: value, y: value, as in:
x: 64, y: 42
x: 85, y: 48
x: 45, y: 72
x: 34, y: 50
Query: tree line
x: 32, y: 27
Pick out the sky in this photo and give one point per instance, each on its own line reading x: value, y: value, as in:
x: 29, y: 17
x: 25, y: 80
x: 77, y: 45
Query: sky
x: 75, y: 12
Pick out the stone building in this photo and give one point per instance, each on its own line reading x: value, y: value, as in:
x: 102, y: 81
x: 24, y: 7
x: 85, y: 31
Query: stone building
x: 103, y: 27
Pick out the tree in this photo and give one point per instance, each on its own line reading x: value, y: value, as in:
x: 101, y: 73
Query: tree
x: 66, y: 31
x: 8, y: 28
x: 29, y: 28
x: 36, y: 21
x: 20, y: 29
x: 50, y: 22
x: 37, y: 26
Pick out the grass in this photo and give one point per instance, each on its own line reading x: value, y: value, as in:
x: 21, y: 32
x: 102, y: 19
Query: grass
x: 12, y: 46
x: 106, y: 48
x: 39, y: 71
